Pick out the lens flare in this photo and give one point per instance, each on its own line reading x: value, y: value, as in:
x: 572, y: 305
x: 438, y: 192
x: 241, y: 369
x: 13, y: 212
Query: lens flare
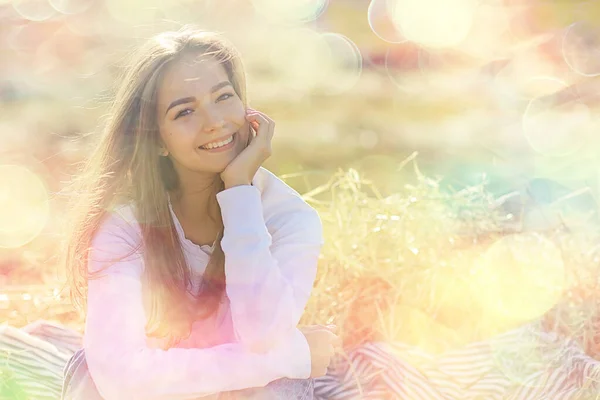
x: 520, y: 277
x: 301, y: 59
x: 434, y: 23
x: 415, y: 70
x: 345, y: 64
x: 368, y: 139
x: 24, y: 206
x: 553, y: 127
x: 92, y: 22
x: 487, y: 39
x: 34, y: 10
x: 380, y: 20
x: 581, y: 48
x: 291, y: 11
x: 135, y: 11
x: 71, y: 6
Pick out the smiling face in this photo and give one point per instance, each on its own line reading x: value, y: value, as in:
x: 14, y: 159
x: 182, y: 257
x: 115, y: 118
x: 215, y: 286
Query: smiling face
x: 201, y: 118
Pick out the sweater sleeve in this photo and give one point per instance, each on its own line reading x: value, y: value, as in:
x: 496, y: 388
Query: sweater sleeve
x: 269, y: 278
x: 124, y: 367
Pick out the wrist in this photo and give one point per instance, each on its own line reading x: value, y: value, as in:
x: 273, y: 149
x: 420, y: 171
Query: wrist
x: 230, y: 184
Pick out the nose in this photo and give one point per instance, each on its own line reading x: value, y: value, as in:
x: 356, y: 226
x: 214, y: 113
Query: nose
x: 212, y: 121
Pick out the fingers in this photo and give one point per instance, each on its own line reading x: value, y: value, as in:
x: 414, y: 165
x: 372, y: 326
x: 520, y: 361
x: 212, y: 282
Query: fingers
x: 339, y: 344
x: 262, y: 124
x: 253, y: 111
x: 257, y: 121
x: 331, y: 352
x: 254, y: 128
x: 335, y: 340
x: 263, y: 130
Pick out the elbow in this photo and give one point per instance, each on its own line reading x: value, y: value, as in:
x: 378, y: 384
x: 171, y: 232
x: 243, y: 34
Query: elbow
x: 109, y: 379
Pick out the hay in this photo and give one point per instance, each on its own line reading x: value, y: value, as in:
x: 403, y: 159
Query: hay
x: 415, y: 266
x: 438, y: 268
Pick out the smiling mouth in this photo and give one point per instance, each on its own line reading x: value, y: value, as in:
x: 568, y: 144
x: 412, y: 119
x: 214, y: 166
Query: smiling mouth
x: 221, y: 144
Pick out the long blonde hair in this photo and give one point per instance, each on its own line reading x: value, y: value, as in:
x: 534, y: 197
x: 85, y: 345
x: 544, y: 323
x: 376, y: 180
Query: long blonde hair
x: 126, y: 167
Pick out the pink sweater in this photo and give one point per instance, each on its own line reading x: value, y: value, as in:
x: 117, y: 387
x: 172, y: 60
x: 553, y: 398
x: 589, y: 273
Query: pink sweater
x: 272, y: 240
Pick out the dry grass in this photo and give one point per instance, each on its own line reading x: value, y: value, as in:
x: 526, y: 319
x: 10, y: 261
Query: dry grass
x: 438, y: 268
x: 427, y: 266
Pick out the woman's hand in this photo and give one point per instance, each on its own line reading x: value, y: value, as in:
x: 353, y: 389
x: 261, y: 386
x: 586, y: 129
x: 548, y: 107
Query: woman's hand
x: 242, y: 169
x: 323, y: 343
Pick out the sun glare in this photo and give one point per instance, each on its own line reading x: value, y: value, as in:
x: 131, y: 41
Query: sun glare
x: 434, y: 23
x: 23, y: 206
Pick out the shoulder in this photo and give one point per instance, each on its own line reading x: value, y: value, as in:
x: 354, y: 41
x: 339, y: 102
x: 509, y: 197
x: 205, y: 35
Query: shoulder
x: 120, y: 221
x: 117, y: 238
x: 285, y: 210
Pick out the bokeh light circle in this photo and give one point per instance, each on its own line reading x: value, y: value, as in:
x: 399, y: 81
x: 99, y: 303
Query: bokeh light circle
x: 520, y: 277
x: 24, y: 207
x: 34, y: 10
x: 92, y: 22
x: 555, y: 127
x: 581, y: 48
x: 301, y: 59
x: 368, y: 139
x: 434, y: 23
x: 540, y: 86
x: 291, y: 11
x: 487, y: 39
x: 135, y: 11
x: 345, y: 64
x: 71, y: 6
x: 414, y: 69
x: 379, y: 16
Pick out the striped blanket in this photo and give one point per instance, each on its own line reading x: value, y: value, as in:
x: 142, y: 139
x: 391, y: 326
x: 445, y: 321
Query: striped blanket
x: 523, y: 364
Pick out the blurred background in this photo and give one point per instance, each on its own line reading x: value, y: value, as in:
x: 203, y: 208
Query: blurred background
x: 501, y: 93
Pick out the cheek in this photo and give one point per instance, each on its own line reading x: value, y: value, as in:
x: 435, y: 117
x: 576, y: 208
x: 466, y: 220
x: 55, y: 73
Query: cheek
x: 245, y: 133
x: 177, y: 139
x: 237, y: 111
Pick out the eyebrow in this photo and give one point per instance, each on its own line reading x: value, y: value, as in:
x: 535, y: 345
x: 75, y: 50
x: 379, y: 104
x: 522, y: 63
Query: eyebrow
x: 190, y: 99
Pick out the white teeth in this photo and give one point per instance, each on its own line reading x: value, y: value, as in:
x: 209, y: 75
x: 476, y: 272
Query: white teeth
x: 218, y: 144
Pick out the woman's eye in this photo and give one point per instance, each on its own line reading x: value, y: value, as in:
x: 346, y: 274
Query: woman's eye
x: 187, y: 111
x: 229, y: 95
x: 183, y: 112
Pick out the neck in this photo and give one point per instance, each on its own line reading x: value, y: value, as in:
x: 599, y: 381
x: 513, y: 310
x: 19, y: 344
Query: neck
x: 196, y: 200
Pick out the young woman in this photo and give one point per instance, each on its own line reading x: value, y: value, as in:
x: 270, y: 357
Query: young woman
x: 193, y: 263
